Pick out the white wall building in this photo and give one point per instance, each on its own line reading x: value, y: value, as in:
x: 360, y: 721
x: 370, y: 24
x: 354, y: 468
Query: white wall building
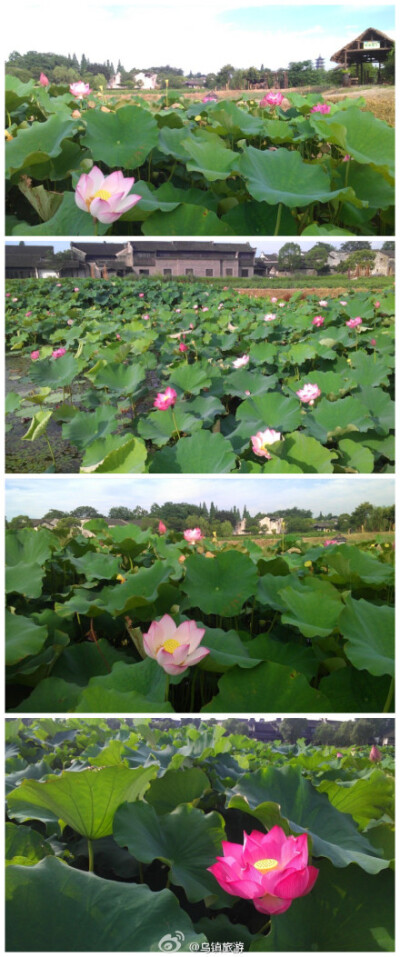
x: 148, y: 80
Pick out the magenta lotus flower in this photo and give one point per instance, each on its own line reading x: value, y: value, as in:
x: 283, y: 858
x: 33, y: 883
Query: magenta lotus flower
x: 240, y: 362
x: 373, y: 342
x: 321, y: 108
x: 182, y: 347
x: 269, y: 869
x: 79, y: 89
x: 35, y: 355
x: 272, y: 98
x: 141, y: 295
x: 346, y: 158
x: 262, y: 440
x: 105, y: 197
x: 353, y: 323
x: 44, y: 80
x: 163, y: 400
x: 210, y: 98
x: 192, y: 535
x: 375, y: 754
x: 330, y: 541
x: 162, y: 528
x: 318, y: 321
x: 309, y: 393
x: 57, y: 353
x: 339, y: 754
x: 174, y: 648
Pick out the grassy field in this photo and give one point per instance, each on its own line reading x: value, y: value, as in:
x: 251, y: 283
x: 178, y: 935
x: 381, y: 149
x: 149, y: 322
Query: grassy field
x: 352, y: 538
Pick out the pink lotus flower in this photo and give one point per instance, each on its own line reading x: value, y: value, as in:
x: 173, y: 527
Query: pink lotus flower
x: 373, y: 342
x: 343, y: 302
x: 163, y: 400
x: 105, y: 197
x: 15, y: 299
x: 174, y: 648
x: 141, y: 295
x: 318, y: 321
x: 375, y: 754
x: 321, y: 108
x: 204, y: 309
x: 330, y: 541
x: 274, y: 299
x: 28, y: 313
x: 272, y: 98
x: 192, y: 535
x: 44, y: 80
x: 182, y: 347
x: 162, y: 528
x: 177, y: 310
x: 58, y: 284
x: 70, y: 322
x: 146, y: 316
x: 240, y: 362
x: 346, y: 158
x: 309, y: 393
x: 353, y: 323
x: 57, y: 353
x: 323, y: 303
x: 339, y: 754
x: 269, y: 316
x: 76, y: 288
x: 269, y: 869
x: 262, y: 440
x: 210, y: 98
x: 376, y: 304
x: 8, y: 294
x: 79, y: 89
x: 35, y: 355
x: 117, y: 335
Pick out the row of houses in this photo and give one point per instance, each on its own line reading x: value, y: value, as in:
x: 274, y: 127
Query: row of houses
x: 201, y: 259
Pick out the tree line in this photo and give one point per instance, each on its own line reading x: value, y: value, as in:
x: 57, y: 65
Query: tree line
x: 291, y: 257
x: 177, y: 516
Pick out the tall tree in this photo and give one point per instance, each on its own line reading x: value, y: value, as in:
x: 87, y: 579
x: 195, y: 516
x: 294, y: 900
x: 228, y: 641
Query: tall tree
x: 289, y: 257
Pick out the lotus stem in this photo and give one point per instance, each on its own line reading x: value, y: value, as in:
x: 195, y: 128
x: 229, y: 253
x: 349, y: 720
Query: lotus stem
x: 175, y: 424
x: 91, y: 856
x: 389, y: 698
x: 50, y: 449
x: 278, y: 220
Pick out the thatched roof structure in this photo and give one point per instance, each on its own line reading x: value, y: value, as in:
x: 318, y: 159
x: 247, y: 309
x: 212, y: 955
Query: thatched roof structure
x: 371, y: 46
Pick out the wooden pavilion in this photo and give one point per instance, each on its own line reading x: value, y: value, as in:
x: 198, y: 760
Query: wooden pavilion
x: 372, y: 46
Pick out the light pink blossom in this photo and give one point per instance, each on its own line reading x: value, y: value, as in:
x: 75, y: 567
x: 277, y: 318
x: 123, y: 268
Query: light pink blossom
x: 272, y: 98
x: 163, y: 400
x: 141, y: 295
x: 162, y: 528
x: 343, y: 302
x: 321, y: 108
x: 117, y: 336
x: 105, y: 197
x: 346, y: 158
x: 318, y: 321
x: 269, y: 316
x: 308, y: 393
x: 58, y: 284
x: 373, y: 342
x: 240, y: 362
x: 330, y: 541
x: 353, y: 323
x: 44, y: 80
x: 376, y: 304
x: 269, y: 869
x: 8, y: 294
x: 192, y: 535
x: 274, y: 299
x: 205, y: 309
x: 174, y: 648
x: 15, y: 299
x: 57, y: 353
x: 79, y: 89
x: 210, y: 98
x: 323, y: 303
x: 76, y: 288
x: 177, y: 310
x: 35, y: 355
x: 70, y: 322
x: 28, y: 313
x: 339, y: 754
x: 146, y: 316
x: 262, y: 440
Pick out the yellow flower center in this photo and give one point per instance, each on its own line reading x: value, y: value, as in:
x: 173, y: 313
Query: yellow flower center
x: 170, y: 645
x: 267, y: 864
x: 102, y: 194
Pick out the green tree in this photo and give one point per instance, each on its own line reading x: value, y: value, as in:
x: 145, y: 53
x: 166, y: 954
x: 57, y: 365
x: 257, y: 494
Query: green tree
x: 289, y: 257
x: 317, y: 257
x: 388, y: 246
x: 343, y: 522
x: 325, y: 734
x: 361, y: 514
x: 224, y: 76
x: 291, y: 729
x: 362, y: 732
x: 55, y: 513
x: 351, y: 246
x: 85, y: 511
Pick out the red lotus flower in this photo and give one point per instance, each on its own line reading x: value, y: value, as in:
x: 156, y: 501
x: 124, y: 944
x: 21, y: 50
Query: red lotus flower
x: 269, y: 869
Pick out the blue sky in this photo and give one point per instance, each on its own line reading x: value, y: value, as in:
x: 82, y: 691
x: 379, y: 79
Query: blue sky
x: 197, y: 37
x: 35, y: 495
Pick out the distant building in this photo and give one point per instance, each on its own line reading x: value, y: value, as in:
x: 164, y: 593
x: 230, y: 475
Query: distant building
x: 320, y: 63
x: 371, y: 46
x: 273, y: 526
x: 147, y: 81
x: 114, y: 82
x: 28, y: 262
